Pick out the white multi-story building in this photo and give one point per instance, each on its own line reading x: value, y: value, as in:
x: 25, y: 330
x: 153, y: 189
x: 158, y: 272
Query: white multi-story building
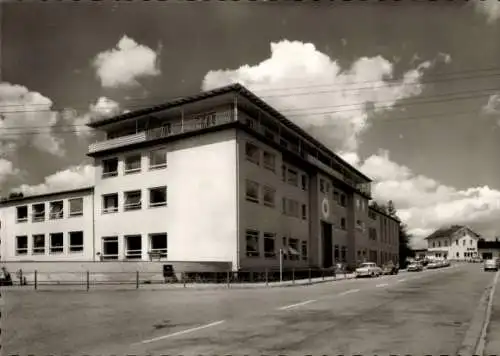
x: 216, y: 177
x: 455, y: 243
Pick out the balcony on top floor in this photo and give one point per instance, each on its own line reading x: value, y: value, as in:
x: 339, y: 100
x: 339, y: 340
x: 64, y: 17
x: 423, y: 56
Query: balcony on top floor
x: 167, y: 128
x: 293, y: 143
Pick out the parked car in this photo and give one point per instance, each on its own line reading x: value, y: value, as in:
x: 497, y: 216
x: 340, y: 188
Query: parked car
x: 390, y: 268
x: 5, y: 278
x: 433, y: 265
x: 446, y: 263
x: 492, y: 264
x: 368, y: 269
x: 415, y: 267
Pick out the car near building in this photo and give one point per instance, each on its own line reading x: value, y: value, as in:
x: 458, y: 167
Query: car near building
x: 215, y: 178
x: 492, y: 264
x: 368, y: 269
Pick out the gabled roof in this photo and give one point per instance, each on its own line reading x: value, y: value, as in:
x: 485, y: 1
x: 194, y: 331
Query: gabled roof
x: 449, y: 232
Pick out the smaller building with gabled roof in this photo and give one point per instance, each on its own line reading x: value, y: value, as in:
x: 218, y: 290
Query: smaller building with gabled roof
x: 456, y: 242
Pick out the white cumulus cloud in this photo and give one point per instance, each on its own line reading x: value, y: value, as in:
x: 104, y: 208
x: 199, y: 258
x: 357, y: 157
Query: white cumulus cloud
x: 489, y: 8
x: 74, y: 177
x: 27, y: 118
x: 319, y: 95
x: 123, y: 65
x: 424, y: 204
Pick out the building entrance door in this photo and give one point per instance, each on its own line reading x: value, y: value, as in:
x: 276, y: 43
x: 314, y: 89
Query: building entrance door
x: 326, y: 237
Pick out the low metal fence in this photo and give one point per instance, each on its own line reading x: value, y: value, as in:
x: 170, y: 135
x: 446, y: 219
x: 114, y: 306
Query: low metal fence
x: 88, y: 279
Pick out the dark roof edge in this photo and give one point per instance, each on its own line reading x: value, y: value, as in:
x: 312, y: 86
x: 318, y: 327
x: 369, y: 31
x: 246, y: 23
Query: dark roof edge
x: 46, y: 195
x: 237, y: 88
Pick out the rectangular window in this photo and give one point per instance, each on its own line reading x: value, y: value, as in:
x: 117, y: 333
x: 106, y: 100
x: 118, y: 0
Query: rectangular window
x: 75, y: 207
x: 292, y: 177
x: 39, y: 244
x: 38, y: 212
x: 157, y: 196
x: 343, y: 254
x: 110, y: 248
x: 76, y: 241
x: 269, y: 161
x: 252, y: 191
x: 343, y: 224
x: 109, y: 167
x: 110, y: 203
x: 57, y: 243
x: 133, y: 200
x: 336, y: 253
x: 22, y: 213
x: 304, y: 212
x: 21, y: 245
x: 372, y: 234
x: 56, y: 209
x: 133, y: 245
x: 133, y: 164
x: 157, y: 159
x: 252, y: 243
x: 336, y: 196
x: 292, y: 208
x: 321, y: 185
x: 283, y: 172
x: 304, y: 251
x: 303, y: 182
x: 343, y: 200
x: 269, y: 196
x: 269, y: 245
x: 159, y: 244
x: 293, y: 249
x: 252, y: 153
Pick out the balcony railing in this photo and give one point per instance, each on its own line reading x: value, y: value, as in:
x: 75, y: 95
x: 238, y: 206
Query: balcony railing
x: 174, y: 127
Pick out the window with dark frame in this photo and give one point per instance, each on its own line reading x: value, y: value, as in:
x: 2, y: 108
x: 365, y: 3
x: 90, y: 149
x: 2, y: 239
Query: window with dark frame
x: 252, y: 153
x: 133, y: 247
x: 110, y: 203
x: 159, y: 244
x: 110, y: 249
x: 158, y: 196
x: 38, y: 212
x: 252, y: 243
x: 157, y: 159
x: 75, y: 207
x: 252, y: 191
x: 269, y: 161
x: 343, y: 224
x: 292, y: 177
x: 269, y: 245
x: 269, y: 196
x: 76, y: 241
x: 39, y: 244
x: 303, y: 182
x: 22, y: 245
x: 22, y: 213
x: 110, y: 167
x: 132, y: 163
x: 56, y: 243
x: 56, y: 209
x: 304, y: 212
x: 293, y: 247
x: 133, y: 200
x: 304, y: 251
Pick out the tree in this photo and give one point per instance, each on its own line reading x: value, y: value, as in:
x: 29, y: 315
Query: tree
x: 391, y: 210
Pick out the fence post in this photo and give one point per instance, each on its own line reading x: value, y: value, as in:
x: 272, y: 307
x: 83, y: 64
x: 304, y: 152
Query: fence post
x: 267, y: 277
x: 88, y: 280
x: 228, y: 278
x: 310, y: 278
x: 21, y: 277
x: 36, y: 279
x: 323, y: 274
x: 137, y: 280
x: 293, y: 275
x: 183, y: 276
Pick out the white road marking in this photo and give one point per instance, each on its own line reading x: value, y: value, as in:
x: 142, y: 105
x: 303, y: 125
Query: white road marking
x: 401, y: 280
x: 382, y: 285
x: 297, y: 304
x: 182, y: 332
x: 349, y: 291
x: 482, y: 339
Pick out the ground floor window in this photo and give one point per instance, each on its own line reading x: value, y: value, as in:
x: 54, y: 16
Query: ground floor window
x: 76, y: 241
x: 21, y: 245
x: 343, y: 254
x: 293, y: 248
x: 269, y: 245
x: 252, y: 243
x: 57, y: 243
x: 304, y: 251
x: 110, y: 248
x: 158, y: 244
x: 39, y: 244
x: 133, y: 245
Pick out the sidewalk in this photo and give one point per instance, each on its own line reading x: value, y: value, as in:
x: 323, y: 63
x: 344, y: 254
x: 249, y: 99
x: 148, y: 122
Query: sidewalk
x: 180, y: 286
x: 492, y: 346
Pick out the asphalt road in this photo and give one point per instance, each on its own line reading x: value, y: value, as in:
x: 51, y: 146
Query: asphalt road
x: 413, y: 313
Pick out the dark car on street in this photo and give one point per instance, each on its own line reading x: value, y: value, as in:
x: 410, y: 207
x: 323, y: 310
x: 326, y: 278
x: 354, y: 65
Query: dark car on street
x: 5, y: 278
x: 390, y: 268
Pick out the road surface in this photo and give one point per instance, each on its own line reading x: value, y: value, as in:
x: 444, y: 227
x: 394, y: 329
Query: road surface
x: 426, y: 312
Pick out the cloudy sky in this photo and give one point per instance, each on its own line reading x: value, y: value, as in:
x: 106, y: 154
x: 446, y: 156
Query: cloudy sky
x: 410, y: 94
